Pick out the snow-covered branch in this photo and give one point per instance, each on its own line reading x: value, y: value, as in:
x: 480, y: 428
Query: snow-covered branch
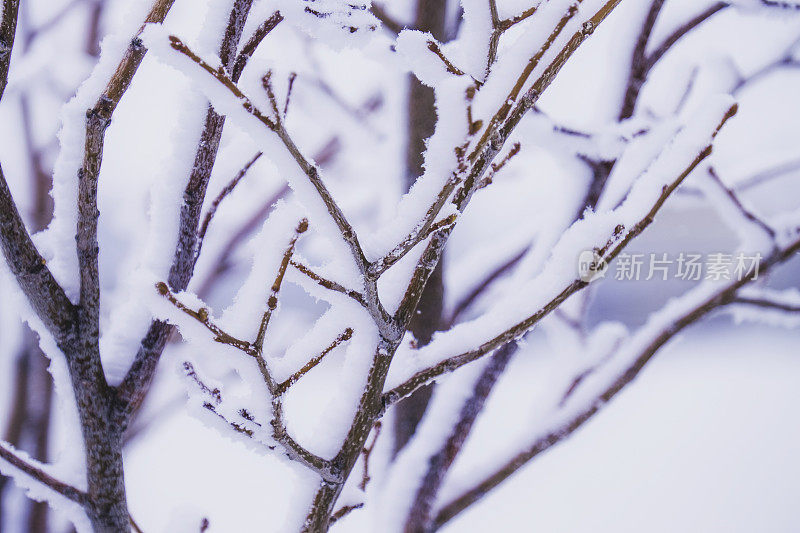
x: 631, y: 218
x: 605, y: 382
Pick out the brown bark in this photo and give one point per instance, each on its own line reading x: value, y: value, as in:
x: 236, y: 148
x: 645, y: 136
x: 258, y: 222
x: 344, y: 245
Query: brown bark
x: 421, y: 123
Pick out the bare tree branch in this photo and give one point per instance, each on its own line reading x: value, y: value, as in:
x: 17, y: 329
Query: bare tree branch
x: 212, y: 209
x: 251, y: 45
x: 724, y: 296
x: 8, y: 28
x: 419, y: 516
x: 134, y: 386
x: 386, y: 20
x: 12, y: 457
x: 450, y: 364
x: 283, y: 386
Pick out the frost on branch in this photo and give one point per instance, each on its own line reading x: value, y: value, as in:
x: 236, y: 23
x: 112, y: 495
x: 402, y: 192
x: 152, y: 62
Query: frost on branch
x: 336, y: 22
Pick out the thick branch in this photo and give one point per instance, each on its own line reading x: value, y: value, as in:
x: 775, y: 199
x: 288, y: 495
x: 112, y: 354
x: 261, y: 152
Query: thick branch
x: 137, y: 381
x: 29, y: 268
x: 8, y: 28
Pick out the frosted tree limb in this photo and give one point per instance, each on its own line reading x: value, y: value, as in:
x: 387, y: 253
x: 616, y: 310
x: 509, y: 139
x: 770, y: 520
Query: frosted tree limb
x: 252, y: 43
x: 29, y: 268
x: 136, y: 383
x: 309, y: 169
x: 291, y: 448
x: 387, y: 326
x: 499, y: 129
x: 373, y: 402
x: 45, y: 295
x: 98, y: 119
x: 329, y: 284
x: 651, y: 342
x: 450, y: 364
x: 228, y: 189
x: 29, y: 468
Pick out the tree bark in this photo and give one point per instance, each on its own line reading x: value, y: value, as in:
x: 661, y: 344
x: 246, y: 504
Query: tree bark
x: 421, y: 123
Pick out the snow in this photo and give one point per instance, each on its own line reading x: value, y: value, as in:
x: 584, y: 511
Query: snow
x: 593, y: 231
x: 342, y: 64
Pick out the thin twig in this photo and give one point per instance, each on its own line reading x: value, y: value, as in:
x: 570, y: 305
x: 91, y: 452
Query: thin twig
x: 434, y: 47
x: 202, y: 316
x: 734, y: 199
x: 282, y: 387
x: 480, y: 288
x: 272, y: 300
x: 682, y: 30
x: 344, y: 511
x: 252, y: 44
x: 366, y: 453
x: 767, y: 304
x: 9, y: 455
x: 609, y: 252
x: 212, y: 209
x: 329, y: 284
x: 289, y: 86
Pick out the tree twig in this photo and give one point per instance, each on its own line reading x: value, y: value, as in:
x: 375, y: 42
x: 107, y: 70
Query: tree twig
x: 366, y: 453
x: 134, y: 386
x: 283, y: 386
x: 329, y: 284
x: 252, y: 43
x: 720, y: 298
x: 344, y: 511
x: 450, y: 364
x: 9, y: 455
x: 212, y: 209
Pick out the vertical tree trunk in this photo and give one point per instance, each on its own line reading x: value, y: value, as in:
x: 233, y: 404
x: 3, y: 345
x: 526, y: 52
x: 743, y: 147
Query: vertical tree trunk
x: 430, y: 17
